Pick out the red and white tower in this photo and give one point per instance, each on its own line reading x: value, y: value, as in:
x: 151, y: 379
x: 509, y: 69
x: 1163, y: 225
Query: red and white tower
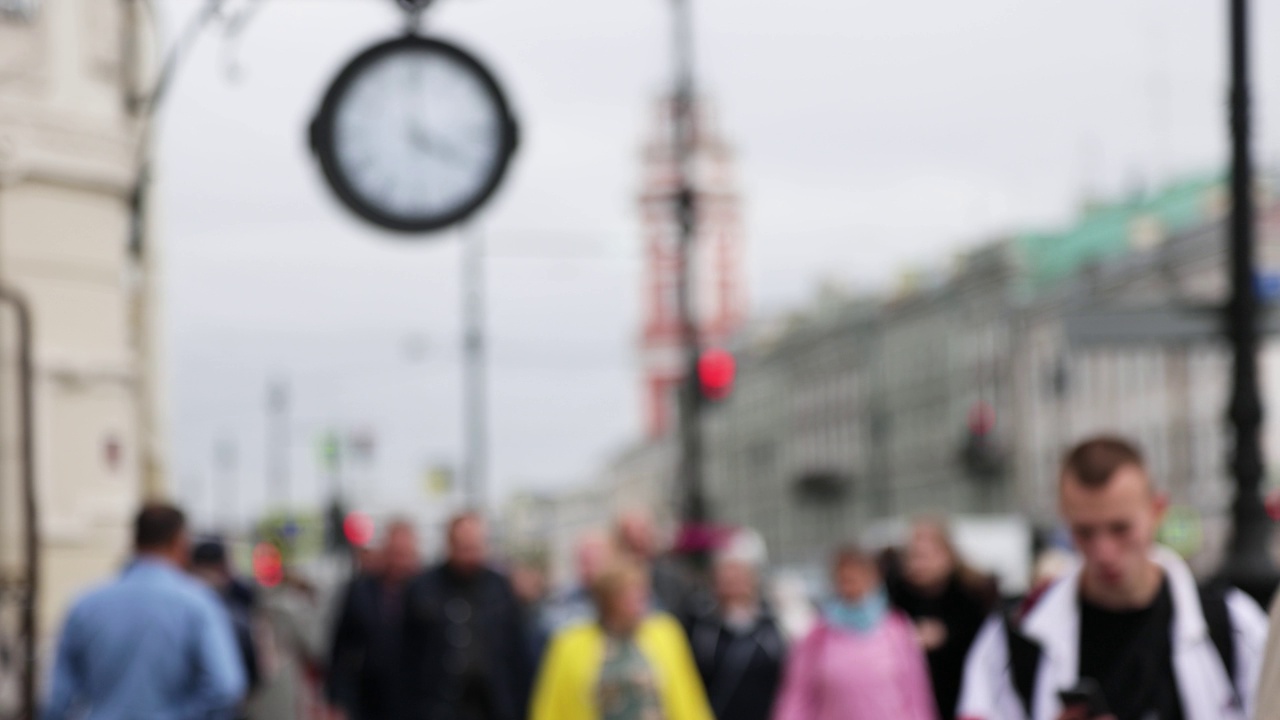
x: 720, y: 294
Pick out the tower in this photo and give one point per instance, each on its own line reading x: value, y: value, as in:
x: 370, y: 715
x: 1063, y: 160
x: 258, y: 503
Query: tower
x: 720, y: 295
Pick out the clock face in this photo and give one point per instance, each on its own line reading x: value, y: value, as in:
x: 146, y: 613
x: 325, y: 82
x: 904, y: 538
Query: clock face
x: 414, y: 135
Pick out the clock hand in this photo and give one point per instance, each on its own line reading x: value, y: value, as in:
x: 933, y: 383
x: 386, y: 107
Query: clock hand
x: 422, y: 141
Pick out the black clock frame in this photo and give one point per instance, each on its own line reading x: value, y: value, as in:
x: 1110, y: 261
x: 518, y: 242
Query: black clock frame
x: 321, y: 135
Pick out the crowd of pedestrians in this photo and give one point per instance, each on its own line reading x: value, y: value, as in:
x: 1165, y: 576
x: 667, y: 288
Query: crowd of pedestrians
x: 1120, y: 631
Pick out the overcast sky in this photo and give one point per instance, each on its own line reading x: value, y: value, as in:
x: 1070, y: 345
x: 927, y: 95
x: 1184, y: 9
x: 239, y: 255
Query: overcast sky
x: 871, y: 136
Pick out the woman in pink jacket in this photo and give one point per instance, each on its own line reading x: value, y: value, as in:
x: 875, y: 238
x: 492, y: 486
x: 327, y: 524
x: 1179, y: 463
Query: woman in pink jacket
x: 862, y: 661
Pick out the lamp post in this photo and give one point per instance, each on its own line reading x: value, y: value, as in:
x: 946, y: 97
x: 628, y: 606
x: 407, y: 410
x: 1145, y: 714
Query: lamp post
x: 1248, y: 564
x: 693, y: 505
x: 143, y: 106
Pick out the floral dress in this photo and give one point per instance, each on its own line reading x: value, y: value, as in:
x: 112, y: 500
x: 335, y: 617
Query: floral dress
x: 627, y: 688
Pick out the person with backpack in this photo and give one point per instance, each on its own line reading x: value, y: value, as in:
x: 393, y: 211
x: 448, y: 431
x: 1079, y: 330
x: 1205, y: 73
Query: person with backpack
x: 1127, y: 634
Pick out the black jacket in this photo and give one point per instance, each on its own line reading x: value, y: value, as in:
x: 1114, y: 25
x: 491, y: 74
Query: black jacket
x: 465, y: 640
x: 741, y: 671
x: 962, y: 608
x: 365, y: 675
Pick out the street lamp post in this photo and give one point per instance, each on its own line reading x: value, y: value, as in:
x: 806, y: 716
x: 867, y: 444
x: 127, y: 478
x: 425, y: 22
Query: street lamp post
x: 690, y: 474
x: 279, y: 440
x: 1248, y: 564
x: 475, y: 398
x: 144, y: 106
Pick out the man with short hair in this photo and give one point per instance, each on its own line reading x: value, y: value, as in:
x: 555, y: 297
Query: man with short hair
x: 1128, y: 628
x: 737, y: 645
x: 154, y: 643
x: 467, y: 657
x: 365, y: 674
x: 210, y: 565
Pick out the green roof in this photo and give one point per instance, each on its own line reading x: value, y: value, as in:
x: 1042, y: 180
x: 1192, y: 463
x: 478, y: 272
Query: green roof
x: 1108, y: 230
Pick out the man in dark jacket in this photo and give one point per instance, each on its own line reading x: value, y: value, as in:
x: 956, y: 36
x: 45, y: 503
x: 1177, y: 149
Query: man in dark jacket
x: 365, y: 673
x: 737, y: 645
x: 209, y: 564
x: 466, y: 656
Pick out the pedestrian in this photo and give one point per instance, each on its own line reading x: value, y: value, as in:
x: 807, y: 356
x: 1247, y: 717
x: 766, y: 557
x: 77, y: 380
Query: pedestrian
x: 947, y: 600
x: 738, y: 646
x: 529, y: 582
x: 1128, y: 628
x: 291, y: 651
x: 1269, y: 683
x: 365, y: 672
x: 593, y: 553
x: 209, y: 564
x: 467, y: 651
x: 793, y: 605
x: 629, y: 664
x: 673, y: 590
x: 862, y: 661
x: 153, y: 643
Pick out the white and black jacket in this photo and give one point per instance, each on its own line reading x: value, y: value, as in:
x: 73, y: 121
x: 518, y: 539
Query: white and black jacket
x: 1206, y: 689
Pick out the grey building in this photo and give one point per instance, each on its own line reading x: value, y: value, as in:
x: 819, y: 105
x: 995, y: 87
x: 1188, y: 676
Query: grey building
x: 958, y: 395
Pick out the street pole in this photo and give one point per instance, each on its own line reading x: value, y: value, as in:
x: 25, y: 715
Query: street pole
x: 224, y: 457
x: 279, y: 440
x: 144, y: 107
x: 1248, y: 564
x: 693, y: 496
x: 474, y: 404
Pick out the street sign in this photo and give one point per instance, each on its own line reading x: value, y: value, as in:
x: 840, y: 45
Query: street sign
x: 1182, y: 530
x: 330, y: 452
x: 1267, y: 286
x: 438, y: 481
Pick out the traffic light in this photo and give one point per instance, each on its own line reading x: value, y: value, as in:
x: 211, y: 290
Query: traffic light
x: 268, y: 565
x: 716, y: 371
x: 357, y: 528
x: 980, y: 455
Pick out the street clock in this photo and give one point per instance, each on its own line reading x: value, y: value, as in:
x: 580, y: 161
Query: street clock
x: 414, y: 135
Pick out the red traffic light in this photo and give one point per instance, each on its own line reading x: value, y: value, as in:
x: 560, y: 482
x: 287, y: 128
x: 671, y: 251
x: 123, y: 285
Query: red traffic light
x: 982, y: 419
x: 358, y: 529
x: 1272, y: 504
x: 716, y: 370
x: 268, y: 566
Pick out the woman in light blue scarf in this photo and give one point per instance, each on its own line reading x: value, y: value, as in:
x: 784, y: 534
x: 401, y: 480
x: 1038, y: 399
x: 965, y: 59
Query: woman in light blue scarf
x: 862, y: 661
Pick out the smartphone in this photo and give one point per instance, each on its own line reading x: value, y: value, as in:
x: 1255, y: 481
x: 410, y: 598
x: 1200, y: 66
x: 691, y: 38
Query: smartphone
x: 1087, y: 694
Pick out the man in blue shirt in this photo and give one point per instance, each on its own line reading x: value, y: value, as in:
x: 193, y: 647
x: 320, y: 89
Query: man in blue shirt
x: 154, y: 644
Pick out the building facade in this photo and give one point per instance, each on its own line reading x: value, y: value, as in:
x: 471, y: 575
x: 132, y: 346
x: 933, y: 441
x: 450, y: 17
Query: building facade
x: 544, y: 528
x: 69, y: 154
x: 958, y: 394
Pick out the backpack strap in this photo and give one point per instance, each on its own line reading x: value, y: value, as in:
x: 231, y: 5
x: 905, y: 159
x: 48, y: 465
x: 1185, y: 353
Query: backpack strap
x: 1024, y: 663
x: 1213, y: 603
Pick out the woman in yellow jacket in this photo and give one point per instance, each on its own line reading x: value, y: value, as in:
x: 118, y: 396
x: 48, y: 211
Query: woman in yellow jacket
x: 631, y: 665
